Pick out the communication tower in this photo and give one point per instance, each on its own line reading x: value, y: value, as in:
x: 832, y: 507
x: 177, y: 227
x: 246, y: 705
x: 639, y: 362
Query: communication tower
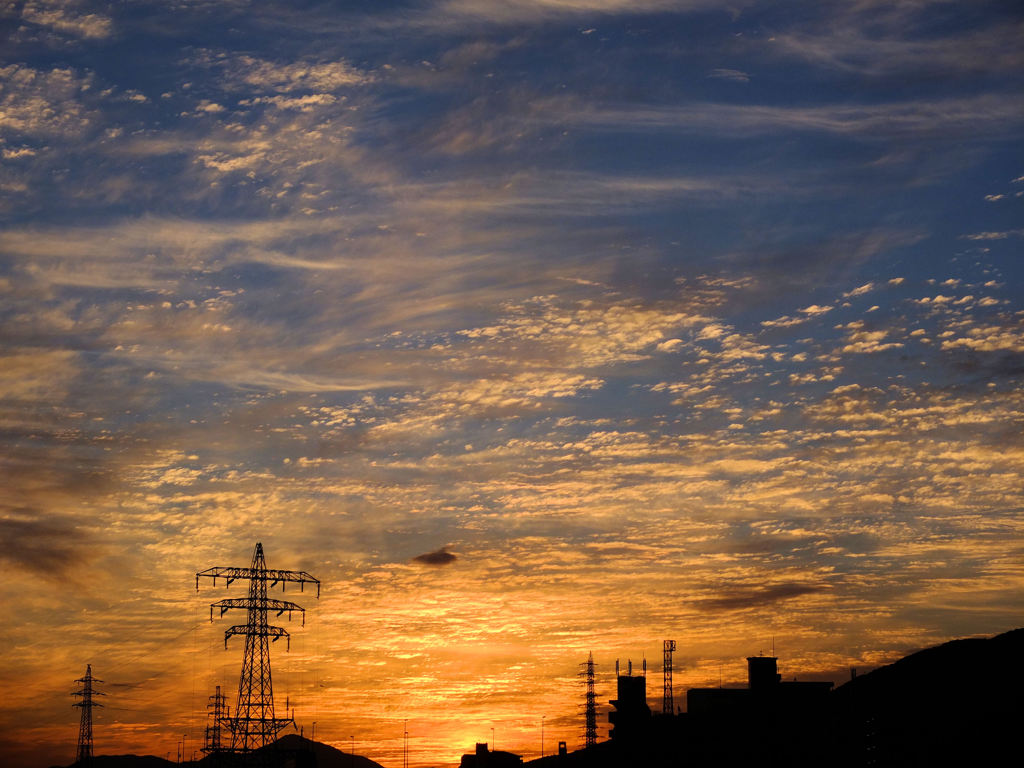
x: 254, y: 724
x: 590, y: 709
x: 667, y: 704
x: 84, y: 754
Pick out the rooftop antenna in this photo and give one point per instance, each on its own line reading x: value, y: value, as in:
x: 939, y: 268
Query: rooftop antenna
x: 667, y: 703
x: 254, y: 724
x: 83, y: 755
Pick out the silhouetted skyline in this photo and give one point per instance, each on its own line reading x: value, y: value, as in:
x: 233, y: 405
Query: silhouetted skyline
x: 940, y: 706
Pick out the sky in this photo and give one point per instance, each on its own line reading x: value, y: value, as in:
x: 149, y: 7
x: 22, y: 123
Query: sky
x: 531, y: 328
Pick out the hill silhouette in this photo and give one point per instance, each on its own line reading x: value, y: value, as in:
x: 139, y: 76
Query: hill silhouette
x: 325, y: 756
x: 954, y: 704
x: 291, y: 751
x: 130, y: 761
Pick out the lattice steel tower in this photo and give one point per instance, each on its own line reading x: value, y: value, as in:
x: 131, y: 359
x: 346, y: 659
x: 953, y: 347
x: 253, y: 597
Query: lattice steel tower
x: 668, y: 706
x: 254, y: 724
x: 590, y: 709
x: 84, y: 754
x: 218, y: 711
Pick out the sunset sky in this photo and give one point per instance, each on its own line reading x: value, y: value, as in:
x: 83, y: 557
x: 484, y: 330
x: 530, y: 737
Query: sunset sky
x: 660, y: 318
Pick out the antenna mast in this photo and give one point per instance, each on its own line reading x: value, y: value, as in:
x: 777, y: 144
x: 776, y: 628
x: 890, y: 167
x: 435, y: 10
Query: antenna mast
x: 667, y: 703
x: 254, y: 724
x: 590, y: 731
x: 84, y: 754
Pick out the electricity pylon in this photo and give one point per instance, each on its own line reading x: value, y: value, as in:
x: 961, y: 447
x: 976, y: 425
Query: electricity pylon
x: 254, y: 724
x: 218, y: 711
x: 590, y: 710
x: 84, y: 754
x: 667, y: 701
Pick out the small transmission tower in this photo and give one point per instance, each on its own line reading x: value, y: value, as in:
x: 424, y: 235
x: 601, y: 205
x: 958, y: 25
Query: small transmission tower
x: 218, y: 712
x: 668, y: 706
x: 84, y: 754
x: 254, y: 724
x: 590, y: 709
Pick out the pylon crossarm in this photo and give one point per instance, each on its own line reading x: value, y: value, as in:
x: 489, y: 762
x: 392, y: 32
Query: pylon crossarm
x: 274, y: 577
x: 281, y: 606
x: 270, y: 725
x: 297, y: 577
x: 272, y: 632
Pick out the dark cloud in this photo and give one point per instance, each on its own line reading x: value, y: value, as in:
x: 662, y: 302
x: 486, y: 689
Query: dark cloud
x: 766, y: 545
x: 50, y: 547
x: 440, y: 557
x: 752, y: 598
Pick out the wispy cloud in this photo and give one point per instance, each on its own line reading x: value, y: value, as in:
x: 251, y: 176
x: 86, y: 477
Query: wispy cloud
x: 871, y: 39
x: 992, y: 115
x: 734, y: 75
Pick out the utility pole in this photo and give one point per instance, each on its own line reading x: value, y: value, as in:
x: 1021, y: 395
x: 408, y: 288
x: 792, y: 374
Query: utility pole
x: 83, y: 756
x: 254, y: 724
x: 667, y: 703
x: 590, y: 730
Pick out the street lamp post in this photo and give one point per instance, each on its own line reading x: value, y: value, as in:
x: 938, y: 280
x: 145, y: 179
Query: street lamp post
x: 542, y: 718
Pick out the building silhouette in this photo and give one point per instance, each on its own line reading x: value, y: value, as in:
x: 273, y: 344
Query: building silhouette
x: 632, y: 715
x: 770, y: 722
x: 485, y: 758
